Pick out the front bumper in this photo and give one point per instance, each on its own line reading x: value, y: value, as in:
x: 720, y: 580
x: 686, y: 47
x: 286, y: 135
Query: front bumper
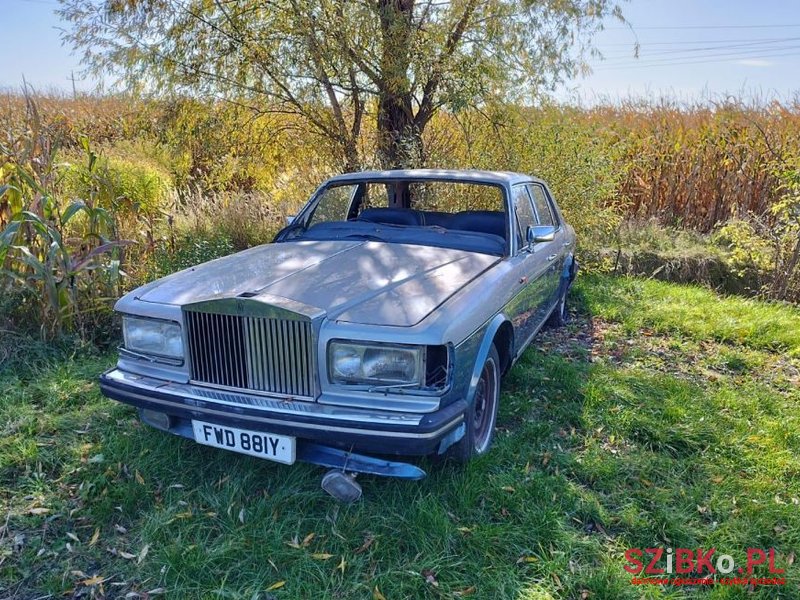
x: 383, y: 432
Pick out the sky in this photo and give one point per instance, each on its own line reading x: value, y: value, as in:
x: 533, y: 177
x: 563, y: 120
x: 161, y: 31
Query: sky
x: 688, y: 50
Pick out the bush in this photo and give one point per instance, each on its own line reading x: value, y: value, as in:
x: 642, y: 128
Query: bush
x: 132, y: 182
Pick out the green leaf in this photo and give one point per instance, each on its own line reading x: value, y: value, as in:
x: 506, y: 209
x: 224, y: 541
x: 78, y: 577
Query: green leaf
x: 74, y: 209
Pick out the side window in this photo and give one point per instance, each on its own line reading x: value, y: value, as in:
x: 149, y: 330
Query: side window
x: 333, y: 204
x: 524, y: 213
x: 546, y: 216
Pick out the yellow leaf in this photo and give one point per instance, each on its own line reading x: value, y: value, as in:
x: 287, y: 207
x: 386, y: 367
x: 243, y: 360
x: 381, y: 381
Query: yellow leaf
x: 126, y: 555
x: 308, y: 538
x: 321, y: 556
x: 376, y: 594
x: 276, y: 586
x: 138, y: 477
x: 342, y: 565
x: 95, y: 537
x: 526, y: 559
x: 93, y: 580
x: 465, y: 592
x: 143, y: 553
x: 465, y: 530
x: 509, y: 489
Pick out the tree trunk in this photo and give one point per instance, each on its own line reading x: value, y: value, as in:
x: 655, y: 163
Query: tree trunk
x: 399, y: 137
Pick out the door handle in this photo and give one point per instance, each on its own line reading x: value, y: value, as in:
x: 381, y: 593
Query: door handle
x: 552, y: 256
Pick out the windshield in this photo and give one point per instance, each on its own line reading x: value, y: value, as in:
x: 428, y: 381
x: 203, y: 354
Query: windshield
x: 468, y: 216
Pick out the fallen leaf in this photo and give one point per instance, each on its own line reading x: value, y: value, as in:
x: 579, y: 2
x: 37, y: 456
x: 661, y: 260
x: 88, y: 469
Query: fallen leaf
x: 138, y: 477
x: 143, y: 553
x: 585, y: 594
x: 120, y: 529
x: 308, y: 538
x: 276, y: 586
x: 430, y: 577
x: 321, y: 556
x: 39, y: 511
x: 79, y: 574
x: 368, y: 540
x: 97, y: 458
x: 376, y: 594
x: 95, y: 537
x: 342, y: 565
x: 465, y: 592
x: 509, y: 489
x: 293, y: 543
x: 241, y: 516
x: 156, y: 591
x: 465, y: 530
x: 526, y: 559
x: 790, y: 559
x: 97, y: 579
x: 73, y: 537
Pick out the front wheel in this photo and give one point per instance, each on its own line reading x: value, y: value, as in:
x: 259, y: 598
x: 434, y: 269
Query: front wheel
x: 481, y: 416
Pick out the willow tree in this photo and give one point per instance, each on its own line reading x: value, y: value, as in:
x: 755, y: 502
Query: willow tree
x: 337, y: 62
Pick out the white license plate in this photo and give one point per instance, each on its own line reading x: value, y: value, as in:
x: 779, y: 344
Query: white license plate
x: 280, y: 448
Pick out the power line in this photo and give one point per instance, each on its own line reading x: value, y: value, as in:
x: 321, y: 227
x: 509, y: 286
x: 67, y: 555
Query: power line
x: 683, y: 27
x: 686, y: 42
x: 758, y: 46
x: 728, y: 59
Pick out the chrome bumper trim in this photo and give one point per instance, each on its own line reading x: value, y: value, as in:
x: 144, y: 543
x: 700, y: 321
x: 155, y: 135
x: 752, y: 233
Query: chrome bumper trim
x: 280, y: 406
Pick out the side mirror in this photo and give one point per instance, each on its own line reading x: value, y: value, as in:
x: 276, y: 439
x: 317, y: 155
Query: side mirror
x: 290, y: 219
x: 539, y: 233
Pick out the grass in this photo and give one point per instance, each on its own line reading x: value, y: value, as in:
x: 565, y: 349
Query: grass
x: 663, y: 415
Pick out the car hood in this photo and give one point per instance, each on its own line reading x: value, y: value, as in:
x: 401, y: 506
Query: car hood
x: 358, y: 282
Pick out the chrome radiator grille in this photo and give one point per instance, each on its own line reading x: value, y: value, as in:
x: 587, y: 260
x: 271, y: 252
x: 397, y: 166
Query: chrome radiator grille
x: 254, y: 353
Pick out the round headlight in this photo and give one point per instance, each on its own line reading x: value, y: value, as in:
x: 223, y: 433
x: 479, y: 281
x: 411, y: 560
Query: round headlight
x: 346, y: 362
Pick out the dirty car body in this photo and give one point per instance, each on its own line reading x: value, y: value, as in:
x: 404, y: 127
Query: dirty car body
x: 376, y: 324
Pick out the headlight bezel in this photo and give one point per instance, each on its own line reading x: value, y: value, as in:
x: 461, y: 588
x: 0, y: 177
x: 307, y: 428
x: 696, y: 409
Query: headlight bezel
x: 129, y: 320
x: 362, y: 347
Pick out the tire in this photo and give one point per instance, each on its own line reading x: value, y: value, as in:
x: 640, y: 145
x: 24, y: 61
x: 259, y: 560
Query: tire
x: 560, y: 316
x: 481, y: 415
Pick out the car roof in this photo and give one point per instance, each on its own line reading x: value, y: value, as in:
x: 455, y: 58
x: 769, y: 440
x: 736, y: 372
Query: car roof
x: 467, y: 176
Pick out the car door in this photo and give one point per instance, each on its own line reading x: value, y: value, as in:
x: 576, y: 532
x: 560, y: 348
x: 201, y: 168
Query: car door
x: 530, y: 268
x: 552, y: 251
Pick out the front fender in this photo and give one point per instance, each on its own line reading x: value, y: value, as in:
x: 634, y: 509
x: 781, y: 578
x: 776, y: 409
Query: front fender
x: 483, y: 352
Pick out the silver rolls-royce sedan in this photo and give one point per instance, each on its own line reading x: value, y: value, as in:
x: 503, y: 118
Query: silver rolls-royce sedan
x: 378, y: 323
